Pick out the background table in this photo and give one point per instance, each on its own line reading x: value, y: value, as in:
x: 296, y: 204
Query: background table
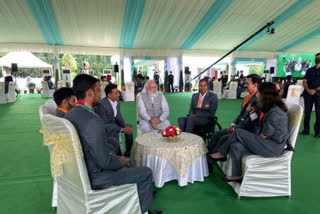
x: 183, y: 159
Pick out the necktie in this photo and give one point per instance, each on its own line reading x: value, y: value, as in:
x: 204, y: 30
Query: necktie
x: 199, y: 102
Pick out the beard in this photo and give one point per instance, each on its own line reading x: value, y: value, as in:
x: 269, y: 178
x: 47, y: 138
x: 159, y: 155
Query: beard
x: 153, y: 94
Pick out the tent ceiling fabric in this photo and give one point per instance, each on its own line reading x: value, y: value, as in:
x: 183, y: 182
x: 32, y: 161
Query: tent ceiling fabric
x: 24, y: 60
x: 158, y: 27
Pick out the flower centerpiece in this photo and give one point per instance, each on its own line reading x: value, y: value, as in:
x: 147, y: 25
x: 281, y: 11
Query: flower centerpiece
x: 171, y: 132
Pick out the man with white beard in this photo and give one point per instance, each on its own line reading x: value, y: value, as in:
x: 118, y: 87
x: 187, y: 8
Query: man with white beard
x: 153, y: 109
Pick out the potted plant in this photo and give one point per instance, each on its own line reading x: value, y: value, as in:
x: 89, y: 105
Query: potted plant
x: 181, y: 82
x: 38, y: 90
x: 31, y: 87
x: 188, y: 86
x: 25, y: 91
x: 166, y: 89
x: 161, y: 87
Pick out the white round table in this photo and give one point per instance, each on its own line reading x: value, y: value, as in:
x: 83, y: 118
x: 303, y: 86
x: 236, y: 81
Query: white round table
x: 183, y: 159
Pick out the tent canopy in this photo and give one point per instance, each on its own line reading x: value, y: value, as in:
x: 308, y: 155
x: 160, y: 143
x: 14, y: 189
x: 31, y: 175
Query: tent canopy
x: 23, y: 60
x: 168, y: 25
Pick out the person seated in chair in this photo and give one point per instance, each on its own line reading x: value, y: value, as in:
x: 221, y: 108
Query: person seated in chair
x: 65, y: 100
x: 243, y: 120
x: 241, y: 87
x: 153, y: 109
x: 203, y: 106
x: 271, y: 141
x: 50, y: 83
x: 109, y: 111
x: 286, y: 86
x: 105, y: 169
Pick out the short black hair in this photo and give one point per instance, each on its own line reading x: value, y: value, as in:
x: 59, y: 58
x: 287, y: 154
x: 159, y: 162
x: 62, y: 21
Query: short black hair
x: 317, y: 55
x: 204, y: 80
x: 61, y: 94
x: 255, y: 78
x: 108, y: 89
x: 82, y: 83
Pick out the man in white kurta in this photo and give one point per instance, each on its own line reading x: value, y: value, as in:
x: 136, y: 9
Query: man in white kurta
x: 153, y: 109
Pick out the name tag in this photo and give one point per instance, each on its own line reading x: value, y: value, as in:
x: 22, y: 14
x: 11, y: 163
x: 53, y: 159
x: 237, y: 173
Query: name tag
x: 206, y: 105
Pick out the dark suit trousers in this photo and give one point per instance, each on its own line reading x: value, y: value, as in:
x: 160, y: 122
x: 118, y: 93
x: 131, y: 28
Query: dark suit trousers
x: 309, y: 100
x: 171, y: 89
x: 188, y: 124
x: 240, y: 143
x: 215, y: 139
x: 142, y: 176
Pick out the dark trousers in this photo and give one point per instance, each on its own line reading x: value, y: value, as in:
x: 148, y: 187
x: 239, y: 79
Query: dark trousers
x: 188, y: 124
x: 309, y: 100
x: 142, y: 176
x: 240, y: 143
x: 215, y: 139
x: 171, y: 89
x: 129, y: 142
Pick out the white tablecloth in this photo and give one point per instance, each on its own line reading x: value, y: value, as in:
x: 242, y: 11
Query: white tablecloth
x: 183, y: 160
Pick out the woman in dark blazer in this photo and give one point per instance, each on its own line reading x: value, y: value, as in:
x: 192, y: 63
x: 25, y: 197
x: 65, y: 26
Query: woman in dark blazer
x: 271, y: 140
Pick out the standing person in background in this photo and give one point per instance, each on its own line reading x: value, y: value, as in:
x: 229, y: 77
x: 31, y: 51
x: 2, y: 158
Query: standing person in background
x: 156, y: 78
x: 170, y: 81
x: 311, y: 94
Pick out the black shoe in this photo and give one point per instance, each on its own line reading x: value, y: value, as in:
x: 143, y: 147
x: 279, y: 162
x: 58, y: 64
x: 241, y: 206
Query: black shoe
x: 220, y: 159
x: 225, y: 179
x: 155, y: 212
x: 304, y: 133
x: 317, y: 135
x: 154, y: 192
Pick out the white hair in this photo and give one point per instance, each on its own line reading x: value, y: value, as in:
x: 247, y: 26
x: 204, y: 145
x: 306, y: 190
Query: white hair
x: 146, y: 86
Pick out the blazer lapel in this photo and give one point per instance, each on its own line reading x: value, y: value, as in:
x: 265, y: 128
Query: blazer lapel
x: 110, y: 106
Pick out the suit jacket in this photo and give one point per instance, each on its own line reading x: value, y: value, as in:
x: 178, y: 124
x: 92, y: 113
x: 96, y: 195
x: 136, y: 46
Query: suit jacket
x: 60, y: 113
x: 105, y: 111
x: 243, y: 119
x: 208, y: 108
x: 274, y: 125
x: 101, y: 164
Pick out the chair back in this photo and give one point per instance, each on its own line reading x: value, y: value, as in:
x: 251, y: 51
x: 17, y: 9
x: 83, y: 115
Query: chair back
x: 2, y: 95
x: 217, y: 88
x: 295, y: 113
x: 129, y: 91
x: 300, y: 82
x: 103, y: 86
x: 61, y: 84
x: 294, y: 93
x: 46, y: 92
x: 75, y: 173
x: 12, y: 92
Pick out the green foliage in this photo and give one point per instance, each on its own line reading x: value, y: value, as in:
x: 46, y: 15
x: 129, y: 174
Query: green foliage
x: 181, y: 80
x: 166, y: 79
x: 188, y: 86
x: 134, y: 72
x: 68, y: 84
x: 96, y: 64
x: 31, y: 85
x: 69, y: 62
x: 255, y: 69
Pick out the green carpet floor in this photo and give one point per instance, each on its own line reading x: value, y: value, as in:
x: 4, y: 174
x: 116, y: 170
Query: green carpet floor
x: 26, y: 184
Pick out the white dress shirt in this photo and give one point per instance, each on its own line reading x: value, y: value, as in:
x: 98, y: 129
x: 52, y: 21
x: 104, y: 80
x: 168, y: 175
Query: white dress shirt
x: 114, y: 107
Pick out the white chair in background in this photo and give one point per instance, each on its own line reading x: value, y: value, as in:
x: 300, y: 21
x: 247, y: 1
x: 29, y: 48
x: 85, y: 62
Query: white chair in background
x: 61, y: 84
x: 74, y: 190
x: 137, y: 113
x: 294, y: 92
x: 12, y: 93
x: 128, y: 94
x: 2, y: 94
x: 268, y: 177
x: 46, y: 92
x: 217, y: 88
x: 300, y: 82
x: 231, y: 93
x: 103, y: 86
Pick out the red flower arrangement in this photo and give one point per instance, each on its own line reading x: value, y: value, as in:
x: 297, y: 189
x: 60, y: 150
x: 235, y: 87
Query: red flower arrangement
x: 171, y: 132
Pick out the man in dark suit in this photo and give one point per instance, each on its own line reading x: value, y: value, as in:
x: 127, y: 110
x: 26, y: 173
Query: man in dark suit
x: 243, y: 120
x: 203, y: 106
x: 241, y: 87
x: 109, y: 111
x: 170, y: 81
x: 105, y: 169
x: 65, y: 100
